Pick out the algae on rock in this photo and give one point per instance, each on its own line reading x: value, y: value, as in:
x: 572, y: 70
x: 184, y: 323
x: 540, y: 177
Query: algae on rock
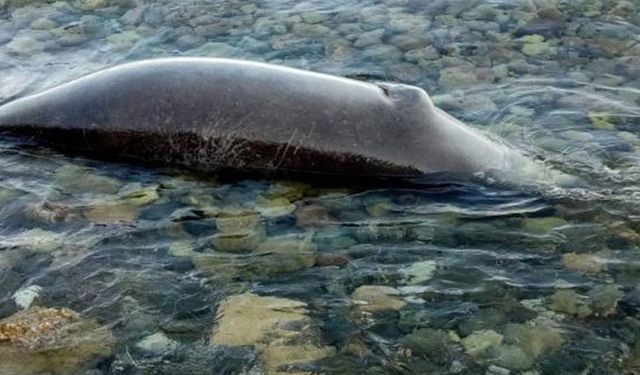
x: 53, y: 341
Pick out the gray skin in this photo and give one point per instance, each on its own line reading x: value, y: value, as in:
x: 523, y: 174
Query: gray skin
x: 211, y: 114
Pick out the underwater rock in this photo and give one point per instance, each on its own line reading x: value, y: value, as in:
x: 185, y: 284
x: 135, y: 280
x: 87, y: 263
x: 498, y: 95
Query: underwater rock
x: 535, y: 47
x: 275, y: 356
x: 137, y: 195
x: 586, y: 263
x: 274, y: 207
x: 419, y: 272
x: 369, y: 38
x: 123, y: 208
x: 286, y: 253
x: 377, y: 298
x: 238, y: 231
x: 601, y: 120
x: 601, y: 301
x: 52, y: 341
x: 48, y: 212
x: 478, y: 342
x: 249, y: 319
x: 157, y: 343
x: 435, y: 344
x: 291, y: 190
x: 326, y: 260
x: 25, y: 45
x: 380, y: 231
x: 38, y: 240
x: 570, y: 302
x: 74, y: 179
x: 24, y: 297
x: 542, y: 224
x: 112, y: 212
x: 181, y: 249
x: 604, y: 299
x: 123, y: 41
x: 510, y: 356
x: 313, y: 215
x: 331, y: 239
x: 535, y: 337
x: 276, y: 327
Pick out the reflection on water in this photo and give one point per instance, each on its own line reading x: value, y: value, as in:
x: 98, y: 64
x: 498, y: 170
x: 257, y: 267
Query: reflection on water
x: 118, y: 269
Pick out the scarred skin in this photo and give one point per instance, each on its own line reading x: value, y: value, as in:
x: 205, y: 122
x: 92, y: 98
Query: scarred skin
x: 210, y: 114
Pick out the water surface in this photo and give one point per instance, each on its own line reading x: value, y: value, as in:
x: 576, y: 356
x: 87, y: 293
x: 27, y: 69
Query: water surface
x: 174, y: 273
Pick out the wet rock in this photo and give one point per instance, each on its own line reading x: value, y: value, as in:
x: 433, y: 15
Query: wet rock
x: 419, y: 272
x: 189, y: 41
x: 483, y: 319
x: 276, y: 356
x: 291, y: 190
x: 274, y: 207
x: 333, y: 239
x: 37, y: 240
x: 276, y: 327
x: 25, y: 45
x: 586, y: 262
x: 123, y: 41
x: 181, y: 249
x: 313, y: 215
x: 408, y: 42
x: 157, y: 343
x: 238, y: 231
x: 138, y: 195
x: 510, y: 357
x: 604, y: 299
x: 112, y: 212
x: 422, y: 54
x: 123, y: 208
x: 548, y: 23
x: 535, y: 337
x: 477, y: 343
x: 327, y: 260
x: 314, y: 17
x: 534, y: 45
x: 377, y: 298
x: 249, y: 319
x: 434, y: 344
x: 310, y: 30
x: 383, y: 231
x: 24, y: 297
x: 79, y: 180
x: 53, y: 341
x: 339, y: 49
x: 43, y: 24
x: 406, y: 73
x: 459, y: 76
x: 90, y: 4
x: 286, y: 253
x: 543, y: 224
x: 48, y: 212
x: 601, y: 120
x: 194, y: 359
x: 382, y: 53
x: 570, y: 302
x: 369, y: 38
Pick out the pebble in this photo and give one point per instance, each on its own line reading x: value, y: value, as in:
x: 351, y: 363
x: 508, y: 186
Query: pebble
x: 157, y: 344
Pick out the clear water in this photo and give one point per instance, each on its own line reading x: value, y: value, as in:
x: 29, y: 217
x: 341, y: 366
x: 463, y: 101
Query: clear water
x: 467, y: 279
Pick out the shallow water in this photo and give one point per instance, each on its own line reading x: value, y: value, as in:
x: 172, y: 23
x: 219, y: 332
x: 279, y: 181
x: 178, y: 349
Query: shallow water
x: 179, y: 273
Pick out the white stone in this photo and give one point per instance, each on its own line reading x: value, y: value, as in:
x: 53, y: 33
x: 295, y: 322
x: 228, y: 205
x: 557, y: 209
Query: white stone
x: 25, y: 297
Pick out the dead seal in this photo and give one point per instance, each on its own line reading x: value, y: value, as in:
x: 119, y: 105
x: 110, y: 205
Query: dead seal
x: 210, y: 114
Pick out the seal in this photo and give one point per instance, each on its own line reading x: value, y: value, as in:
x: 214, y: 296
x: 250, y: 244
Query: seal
x: 210, y: 114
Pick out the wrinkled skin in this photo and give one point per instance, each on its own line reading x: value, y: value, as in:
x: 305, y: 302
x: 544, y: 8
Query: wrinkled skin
x: 211, y: 114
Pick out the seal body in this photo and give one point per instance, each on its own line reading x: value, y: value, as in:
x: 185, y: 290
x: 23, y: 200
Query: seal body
x: 210, y: 114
